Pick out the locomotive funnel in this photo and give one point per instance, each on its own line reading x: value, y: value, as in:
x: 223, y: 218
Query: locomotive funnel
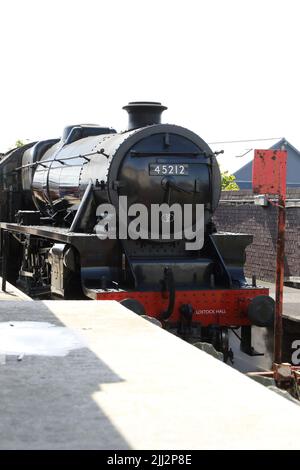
x: 143, y: 113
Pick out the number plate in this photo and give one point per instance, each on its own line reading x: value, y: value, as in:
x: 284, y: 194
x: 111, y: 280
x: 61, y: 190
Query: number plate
x: 177, y: 169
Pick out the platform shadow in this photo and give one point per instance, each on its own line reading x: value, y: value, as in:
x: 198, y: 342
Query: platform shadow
x: 47, y: 402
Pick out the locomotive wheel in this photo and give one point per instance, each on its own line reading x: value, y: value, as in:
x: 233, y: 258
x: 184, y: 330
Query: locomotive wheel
x: 133, y: 305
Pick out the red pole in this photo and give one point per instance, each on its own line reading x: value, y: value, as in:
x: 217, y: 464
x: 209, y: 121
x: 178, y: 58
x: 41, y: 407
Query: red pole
x: 269, y: 177
x: 279, y: 280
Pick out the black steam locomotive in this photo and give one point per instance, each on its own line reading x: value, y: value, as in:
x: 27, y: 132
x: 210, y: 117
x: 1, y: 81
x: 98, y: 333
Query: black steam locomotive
x: 49, y: 195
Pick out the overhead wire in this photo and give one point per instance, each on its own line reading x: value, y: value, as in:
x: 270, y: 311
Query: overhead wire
x: 244, y: 140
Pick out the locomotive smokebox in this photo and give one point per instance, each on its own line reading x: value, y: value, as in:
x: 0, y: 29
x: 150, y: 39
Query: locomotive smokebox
x: 144, y: 113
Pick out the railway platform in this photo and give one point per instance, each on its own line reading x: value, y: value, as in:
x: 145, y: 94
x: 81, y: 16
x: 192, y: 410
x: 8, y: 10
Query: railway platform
x: 124, y: 383
x: 12, y: 293
x: 291, y: 300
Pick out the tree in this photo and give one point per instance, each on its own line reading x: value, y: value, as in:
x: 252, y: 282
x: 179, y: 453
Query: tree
x: 228, y: 182
x: 19, y: 143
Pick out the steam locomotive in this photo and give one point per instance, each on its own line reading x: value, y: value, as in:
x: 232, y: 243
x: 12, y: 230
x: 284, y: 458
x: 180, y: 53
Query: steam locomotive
x: 49, y: 195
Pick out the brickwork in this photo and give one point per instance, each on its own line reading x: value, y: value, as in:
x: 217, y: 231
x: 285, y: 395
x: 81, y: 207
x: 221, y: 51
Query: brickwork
x: 262, y: 223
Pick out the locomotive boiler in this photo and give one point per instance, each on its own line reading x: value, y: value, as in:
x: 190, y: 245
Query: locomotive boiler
x: 50, y: 194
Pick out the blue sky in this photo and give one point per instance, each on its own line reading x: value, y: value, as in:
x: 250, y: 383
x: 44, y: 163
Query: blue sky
x: 225, y: 69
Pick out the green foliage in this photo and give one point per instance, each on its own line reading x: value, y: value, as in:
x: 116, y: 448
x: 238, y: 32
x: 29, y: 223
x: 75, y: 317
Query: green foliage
x: 19, y: 143
x: 228, y: 182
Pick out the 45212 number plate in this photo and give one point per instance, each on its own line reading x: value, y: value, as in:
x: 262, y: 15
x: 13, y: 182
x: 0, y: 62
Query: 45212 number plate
x: 177, y: 169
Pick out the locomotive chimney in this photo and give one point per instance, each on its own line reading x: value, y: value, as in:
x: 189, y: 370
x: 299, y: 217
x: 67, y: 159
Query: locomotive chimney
x: 143, y: 113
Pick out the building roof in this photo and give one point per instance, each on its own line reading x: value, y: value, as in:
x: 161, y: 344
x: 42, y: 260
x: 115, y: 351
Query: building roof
x: 239, y: 153
x: 238, y: 157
